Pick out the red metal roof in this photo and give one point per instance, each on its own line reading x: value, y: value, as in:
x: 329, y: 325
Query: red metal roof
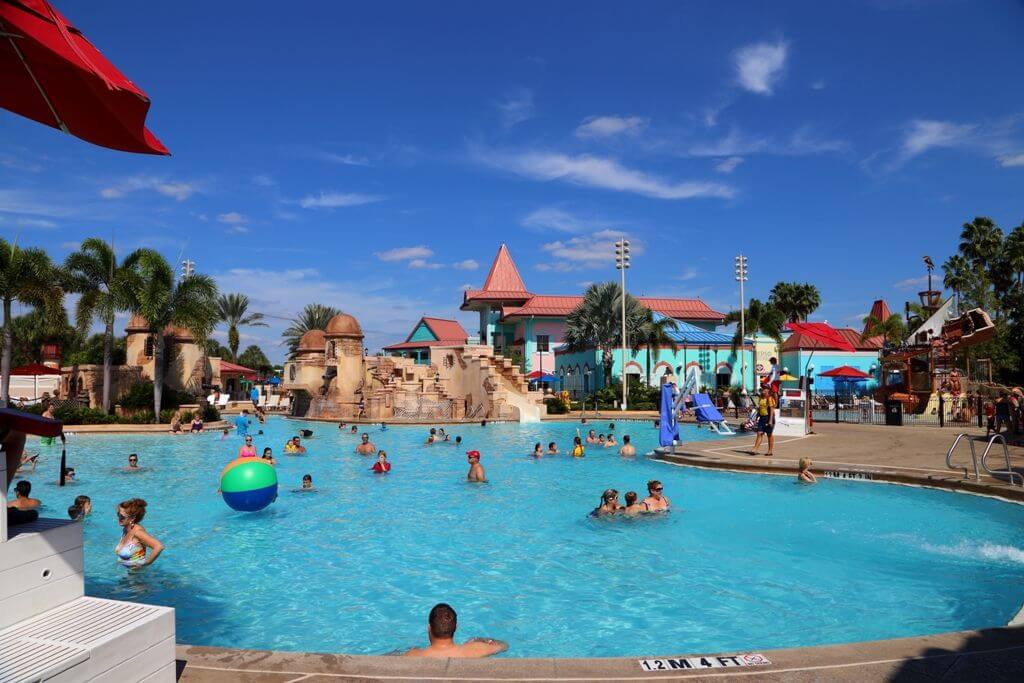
x: 504, y: 276
x: 420, y: 344
x: 687, y: 309
x: 879, y: 311
x: 446, y: 330
x: 232, y: 369
x: 847, y: 335
x: 561, y: 306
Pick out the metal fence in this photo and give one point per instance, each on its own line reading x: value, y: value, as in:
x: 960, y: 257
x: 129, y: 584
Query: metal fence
x: 961, y: 411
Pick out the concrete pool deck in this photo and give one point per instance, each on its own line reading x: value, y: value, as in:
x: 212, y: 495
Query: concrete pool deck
x: 909, y: 455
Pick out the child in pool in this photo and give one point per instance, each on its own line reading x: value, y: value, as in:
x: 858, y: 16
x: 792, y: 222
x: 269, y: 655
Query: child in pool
x: 805, y: 476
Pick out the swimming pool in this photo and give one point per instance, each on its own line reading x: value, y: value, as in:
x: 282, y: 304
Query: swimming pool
x: 744, y: 561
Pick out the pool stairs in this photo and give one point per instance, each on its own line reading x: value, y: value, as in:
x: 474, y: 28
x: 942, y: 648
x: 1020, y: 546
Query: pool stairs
x: 1008, y: 473
x: 50, y: 630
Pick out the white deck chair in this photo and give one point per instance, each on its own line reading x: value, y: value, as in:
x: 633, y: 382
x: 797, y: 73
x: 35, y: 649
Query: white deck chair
x: 223, y: 402
x: 273, y: 402
x: 286, y: 403
x: 263, y: 401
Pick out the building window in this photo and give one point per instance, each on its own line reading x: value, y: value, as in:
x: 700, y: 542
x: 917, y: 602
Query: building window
x: 291, y: 373
x: 148, y: 347
x: 543, y: 340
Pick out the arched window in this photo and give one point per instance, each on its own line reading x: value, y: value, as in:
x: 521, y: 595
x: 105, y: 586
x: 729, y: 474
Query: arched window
x: 149, y: 346
x: 291, y: 373
x: 332, y: 350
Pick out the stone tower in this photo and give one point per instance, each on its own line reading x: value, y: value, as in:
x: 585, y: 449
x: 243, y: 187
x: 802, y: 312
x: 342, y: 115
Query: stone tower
x: 343, y: 353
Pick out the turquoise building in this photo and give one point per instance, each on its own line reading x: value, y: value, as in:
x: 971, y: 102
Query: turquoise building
x: 428, y: 332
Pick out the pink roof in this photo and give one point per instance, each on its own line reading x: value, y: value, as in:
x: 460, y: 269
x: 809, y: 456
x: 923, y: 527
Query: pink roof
x: 421, y: 344
x: 232, y: 368
x: 879, y: 311
x: 504, y: 276
x: 560, y: 306
x: 688, y: 309
x: 844, y: 335
x: 446, y: 330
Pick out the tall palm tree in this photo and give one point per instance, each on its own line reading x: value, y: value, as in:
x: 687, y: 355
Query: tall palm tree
x: 759, y: 317
x: 29, y: 277
x: 652, y: 335
x: 957, y: 276
x: 1014, y: 250
x: 93, y: 272
x: 161, y: 301
x: 892, y: 328
x: 312, y: 317
x: 795, y: 300
x: 981, y: 241
x: 596, y: 323
x: 233, y: 309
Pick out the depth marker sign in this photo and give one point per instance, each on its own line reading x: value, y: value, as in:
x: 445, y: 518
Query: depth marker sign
x: 708, y: 662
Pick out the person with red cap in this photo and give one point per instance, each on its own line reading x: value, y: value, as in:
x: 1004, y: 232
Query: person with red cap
x: 476, y: 470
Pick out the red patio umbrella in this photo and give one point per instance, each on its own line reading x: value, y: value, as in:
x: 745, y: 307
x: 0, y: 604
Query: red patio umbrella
x: 52, y: 74
x: 845, y: 372
x: 822, y: 333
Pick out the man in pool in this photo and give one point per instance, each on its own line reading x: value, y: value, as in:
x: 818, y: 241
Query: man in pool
x: 476, y: 470
x: 242, y: 423
x: 133, y: 463
x: 22, y: 499
x: 655, y: 501
x: 366, y: 447
x: 307, y: 482
x: 627, y: 450
x: 441, y: 627
x: 591, y: 437
x: 552, y: 448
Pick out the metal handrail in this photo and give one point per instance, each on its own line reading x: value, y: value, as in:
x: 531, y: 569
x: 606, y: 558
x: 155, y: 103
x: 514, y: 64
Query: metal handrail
x: 974, y: 456
x: 1008, y: 472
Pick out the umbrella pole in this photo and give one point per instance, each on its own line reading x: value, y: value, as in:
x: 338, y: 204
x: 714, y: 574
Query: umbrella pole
x: 56, y: 116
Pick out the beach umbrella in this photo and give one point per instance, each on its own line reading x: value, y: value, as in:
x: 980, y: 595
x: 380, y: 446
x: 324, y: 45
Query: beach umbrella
x: 786, y: 377
x: 822, y: 333
x: 845, y: 372
x: 52, y: 74
x: 35, y: 371
x: 537, y: 376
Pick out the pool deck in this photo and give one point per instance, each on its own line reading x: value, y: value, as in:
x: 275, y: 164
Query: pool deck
x: 906, y: 455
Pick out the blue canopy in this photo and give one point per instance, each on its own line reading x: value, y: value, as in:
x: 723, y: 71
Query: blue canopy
x: 274, y: 380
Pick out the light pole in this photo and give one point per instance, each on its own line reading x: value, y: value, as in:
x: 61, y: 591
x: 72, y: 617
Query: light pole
x: 622, y: 263
x: 741, y: 277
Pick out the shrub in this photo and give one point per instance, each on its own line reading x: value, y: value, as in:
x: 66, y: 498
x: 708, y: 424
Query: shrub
x: 556, y: 406
x: 140, y: 396
x: 210, y: 413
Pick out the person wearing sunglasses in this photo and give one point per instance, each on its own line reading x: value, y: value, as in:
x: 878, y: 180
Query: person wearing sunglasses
x: 247, y: 450
x: 136, y: 547
x: 609, y: 504
x: 133, y: 463
x: 476, y: 470
x: 655, y: 501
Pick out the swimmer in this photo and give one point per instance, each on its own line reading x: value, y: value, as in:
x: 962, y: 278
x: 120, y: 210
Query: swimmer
x: 224, y: 434
x: 268, y: 455
x: 22, y: 499
x: 552, y: 448
x: 632, y: 506
x: 600, y: 441
x: 307, y: 482
x: 476, y: 470
x: 611, y: 425
x: 297, y: 445
x: 135, y: 541
x: 383, y: 426
x: 432, y: 437
x: 133, y: 463
x: 341, y: 425
x: 80, y: 509
x: 441, y: 633
x: 610, y: 441
x: 805, y: 476
x: 366, y: 447
x: 483, y: 423
x: 538, y: 450
x: 591, y: 437
x: 627, y: 450
x: 353, y: 430
x: 382, y: 465
x: 577, y: 446
x: 28, y: 462
x: 655, y: 501
x: 69, y: 474
x: 609, y: 504
x: 247, y: 450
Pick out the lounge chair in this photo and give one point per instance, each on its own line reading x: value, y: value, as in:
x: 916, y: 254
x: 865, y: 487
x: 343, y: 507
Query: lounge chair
x: 263, y: 401
x: 223, y: 402
x: 273, y: 402
x: 286, y: 403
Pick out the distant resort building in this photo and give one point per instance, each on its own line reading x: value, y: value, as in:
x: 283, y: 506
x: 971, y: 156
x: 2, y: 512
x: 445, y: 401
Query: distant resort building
x: 428, y: 332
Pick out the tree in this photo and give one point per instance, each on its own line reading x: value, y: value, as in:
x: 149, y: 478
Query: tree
x: 216, y: 349
x: 957, y: 276
x: 312, y: 317
x: 233, y: 309
x: 596, y: 323
x: 93, y: 272
x: 26, y: 276
x: 91, y: 351
x: 758, y: 317
x: 30, y: 331
x: 652, y: 334
x: 981, y: 241
x: 1014, y: 249
x: 892, y: 328
x: 795, y: 300
x: 253, y: 357
x: 162, y: 301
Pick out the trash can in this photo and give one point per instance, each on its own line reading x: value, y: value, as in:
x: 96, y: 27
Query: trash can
x: 894, y: 413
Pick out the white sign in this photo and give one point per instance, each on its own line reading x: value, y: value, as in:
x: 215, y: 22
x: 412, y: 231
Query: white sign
x: 706, y: 662
x: 837, y: 474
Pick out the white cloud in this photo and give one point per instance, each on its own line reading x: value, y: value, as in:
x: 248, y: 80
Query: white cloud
x: 334, y: 200
x: 605, y: 173
x: 687, y: 274
x: 802, y: 141
x: 263, y: 180
x: 468, y: 264
x: 759, y: 66
x: 587, y: 251
x: 728, y: 165
x: 179, y: 190
x: 405, y: 253
x: 40, y: 223
x: 912, y: 282
x: 922, y: 135
x: 608, y: 126
x: 344, y: 159
x: 515, y: 107
x: 424, y: 264
x: 237, y: 230
x: 553, y: 218
x: 1008, y: 160
x: 231, y: 218
x: 19, y: 164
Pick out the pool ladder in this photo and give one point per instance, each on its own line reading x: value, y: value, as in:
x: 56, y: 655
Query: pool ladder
x: 1008, y: 472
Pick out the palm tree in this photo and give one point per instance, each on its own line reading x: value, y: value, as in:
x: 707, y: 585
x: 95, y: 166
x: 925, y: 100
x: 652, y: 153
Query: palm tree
x: 759, y: 317
x: 1014, y: 250
x: 26, y: 276
x: 890, y: 328
x: 957, y: 276
x: 795, y: 300
x: 596, y: 322
x: 312, y: 317
x: 980, y: 241
x: 233, y: 309
x: 93, y: 272
x: 653, y: 334
x: 161, y: 301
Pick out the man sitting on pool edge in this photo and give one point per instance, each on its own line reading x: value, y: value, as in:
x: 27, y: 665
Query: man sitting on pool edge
x: 441, y: 627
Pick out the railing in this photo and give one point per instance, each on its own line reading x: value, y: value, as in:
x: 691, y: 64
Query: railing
x: 439, y: 410
x: 1008, y: 472
x: 974, y: 456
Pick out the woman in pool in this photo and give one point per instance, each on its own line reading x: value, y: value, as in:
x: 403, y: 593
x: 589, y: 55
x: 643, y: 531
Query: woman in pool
x: 552, y: 448
x: 268, y: 455
x: 135, y: 540
x: 432, y: 437
x: 353, y: 430
x: 577, y: 446
x: 805, y: 476
x: 600, y: 441
x: 247, y: 450
x: 382, y: 465
x: 609, y: 504
x: 610, y: 441
x: 538, y: 450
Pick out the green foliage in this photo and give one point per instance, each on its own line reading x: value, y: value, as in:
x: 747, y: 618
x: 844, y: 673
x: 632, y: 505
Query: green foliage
x: 796, y: 301
x: 233, y: 309
x: 210, y: 413
x: 597, y: 322
x: 556, y: 406
x: 90, y: 352
x: 73, y: 415
x: 140, y: 396
x: 253, y: 357
x: 758, y: 317
x: 312, y: 317
x: 33, y: 329
x: 891, y: 329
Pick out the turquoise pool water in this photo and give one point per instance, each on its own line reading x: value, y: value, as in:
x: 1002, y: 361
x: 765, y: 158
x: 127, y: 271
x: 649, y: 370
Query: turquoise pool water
x: 742, y: 562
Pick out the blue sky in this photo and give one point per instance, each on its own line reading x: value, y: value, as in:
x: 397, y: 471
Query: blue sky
x: 373, y: 157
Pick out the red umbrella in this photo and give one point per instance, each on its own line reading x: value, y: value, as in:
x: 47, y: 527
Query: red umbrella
x: 52, y: 74
x: 823, y: 333
x: 845, y: 372
x: 34, y: 369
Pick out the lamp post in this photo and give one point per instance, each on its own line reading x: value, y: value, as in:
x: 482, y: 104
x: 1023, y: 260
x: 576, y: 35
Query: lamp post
x: 622, y: 263
x: 741, y: 277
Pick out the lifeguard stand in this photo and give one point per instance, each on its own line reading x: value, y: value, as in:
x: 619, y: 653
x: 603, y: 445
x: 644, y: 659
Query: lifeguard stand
x: 49, y: 629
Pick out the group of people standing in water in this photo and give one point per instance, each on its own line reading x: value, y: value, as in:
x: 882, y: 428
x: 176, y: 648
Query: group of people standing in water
x: 655, y: 502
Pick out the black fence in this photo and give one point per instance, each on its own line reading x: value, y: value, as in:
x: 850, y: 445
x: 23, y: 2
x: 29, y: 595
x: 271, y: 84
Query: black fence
x: 960, y: 411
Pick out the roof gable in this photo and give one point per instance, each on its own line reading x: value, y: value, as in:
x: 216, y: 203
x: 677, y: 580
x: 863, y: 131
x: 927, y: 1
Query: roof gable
x: 444, y: 329
x: 421, y: 332
x: 503, y: 275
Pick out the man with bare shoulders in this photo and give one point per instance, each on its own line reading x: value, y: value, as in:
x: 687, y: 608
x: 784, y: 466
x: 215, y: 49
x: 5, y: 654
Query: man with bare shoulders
x: 476, y: 470
x: 655, y: 501
x: 441, y: 633
x: 627, y: 450
x: 366, y: 447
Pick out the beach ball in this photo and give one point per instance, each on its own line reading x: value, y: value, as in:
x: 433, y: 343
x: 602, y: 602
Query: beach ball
x: 248, y: 484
